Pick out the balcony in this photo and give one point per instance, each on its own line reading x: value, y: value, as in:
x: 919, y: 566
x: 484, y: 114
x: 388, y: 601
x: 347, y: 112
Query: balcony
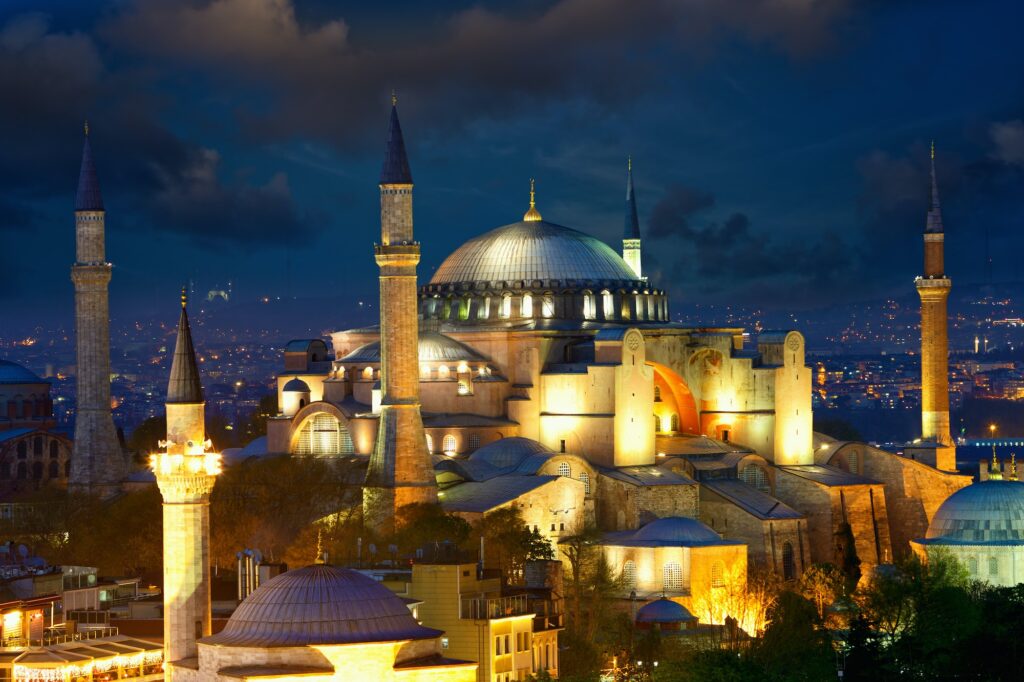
x: 490, y: 609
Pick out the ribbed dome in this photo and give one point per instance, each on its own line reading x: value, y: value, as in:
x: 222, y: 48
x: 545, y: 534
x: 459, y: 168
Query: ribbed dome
x: 507, y: 452
x: 296, y: 385
x: 663, y: 611
x: 320, y: 605
x: 990, y: 512
x: 533, y: 250
x: 13, y: 373
x: 676, y: 529
x: 433, y: 347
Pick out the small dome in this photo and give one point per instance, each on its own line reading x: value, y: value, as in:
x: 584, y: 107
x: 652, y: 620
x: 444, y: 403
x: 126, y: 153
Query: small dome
x: 13, y: 373
x: 533, y: 250
x: 508, y: 452
x: 990, y: 512
x: 433, y: 347
x: 663, y: 611
x: 320, y: 605
x: 296, y: 385
x: 677, y: 530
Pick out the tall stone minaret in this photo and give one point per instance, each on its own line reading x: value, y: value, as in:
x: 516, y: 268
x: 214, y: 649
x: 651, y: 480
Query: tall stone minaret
x: 933, y: 288
x: 631, y: 235
x: 185, y: 473
x: 98, y: 464
x: 400, y: 470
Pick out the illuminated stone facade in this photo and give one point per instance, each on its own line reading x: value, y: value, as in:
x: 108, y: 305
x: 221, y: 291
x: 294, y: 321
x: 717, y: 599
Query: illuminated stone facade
x: 98, y: 465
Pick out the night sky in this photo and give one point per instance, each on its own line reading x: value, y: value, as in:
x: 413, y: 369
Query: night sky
x: 780, y: 149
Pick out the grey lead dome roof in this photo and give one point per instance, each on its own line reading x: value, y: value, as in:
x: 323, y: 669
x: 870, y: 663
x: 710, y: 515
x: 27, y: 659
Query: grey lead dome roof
x: 433, y: 346
x: 663, y: 610
x: 533, y: 250
x: 13, y: 373
x: 989, y: 512
x: 320, y: 605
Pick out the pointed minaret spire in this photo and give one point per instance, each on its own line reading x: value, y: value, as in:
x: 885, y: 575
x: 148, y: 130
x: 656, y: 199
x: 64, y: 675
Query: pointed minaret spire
x: 88, y: 197
x: 396, y: 164
x: 184, y: 385
x: 934, y: 223
x: 631, y: 235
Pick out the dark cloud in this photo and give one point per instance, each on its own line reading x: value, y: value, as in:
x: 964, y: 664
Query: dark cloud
x: 1008, y: 141
x: 327, y: 81
x: 671, y: 215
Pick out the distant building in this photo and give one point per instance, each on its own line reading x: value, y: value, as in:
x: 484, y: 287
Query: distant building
x: 31, y: 450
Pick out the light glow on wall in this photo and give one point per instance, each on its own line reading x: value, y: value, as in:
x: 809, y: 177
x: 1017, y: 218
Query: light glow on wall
x: 164, y: 463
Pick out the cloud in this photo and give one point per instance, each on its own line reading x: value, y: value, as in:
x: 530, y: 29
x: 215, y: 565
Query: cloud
x: 1008, y: 138
x: 671, y: 215
x: 323, y: 80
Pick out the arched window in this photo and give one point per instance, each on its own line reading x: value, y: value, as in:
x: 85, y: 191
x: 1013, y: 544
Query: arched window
x: 322, y: 434
x: 547, y: 306
x: 527, y: 307
x: 852, y: 462
x: 22, y: 449
x: 993, y: 567
x: 443, y: 372
x: 506, y: 306
x: 464, y: 308
x: 424, y: 370
x: 629, y: 573
x: 972, y: 566
x: 717, y: 574
x: 657, y: 393
x: 54, y: 453
x: 54, y: 469
x: 448, y: 444
x: 564, y: 469
x: 589, y: 306
x: 368, y: 373
x: 608, y: 303
x: 788, y: 565
x: 483, y: 311
x: 674, y: 422
x: 430, y: 443
x: 37, y: 446
x: 672, y: 577
x: 22, y: 471
x: 755, y: 476
x: 585, y: 477
x: 474, y: 441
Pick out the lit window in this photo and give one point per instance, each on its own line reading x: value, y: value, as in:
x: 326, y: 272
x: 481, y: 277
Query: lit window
x: 972, y: 566
x: 323, y: 434
x: 448, y: 444
x: 629, y: 573
x: 673, y: 577
x: 589, y: 307
x: 506, y: 306
x: 674, y: 422
x: 585, y: 477
x: 564, y: 469
x: 443, y: 372
x: 608, y: 302
x: 657, y: 393
x: 718, y: 574
x: 368, y: 373
x: 430, y: 443
x: 527, y: 308
x: 755, y: 476
x: 547, y: 306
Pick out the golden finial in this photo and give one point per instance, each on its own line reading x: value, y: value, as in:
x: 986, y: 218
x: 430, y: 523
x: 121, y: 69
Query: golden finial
x: 933, y: 150
x: 85, y: 126
x: 184, y: 297
x: 629, y: 162
x: 319, y: 546
x: 394, y: 98
x: 532, y: 215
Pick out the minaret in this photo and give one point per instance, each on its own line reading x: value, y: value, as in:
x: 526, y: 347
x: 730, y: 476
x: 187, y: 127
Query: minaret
x: 400, y: 470
x: 185, y: 473
x: 631, y: 235
x: 933, y: 288
x: 97, y: 464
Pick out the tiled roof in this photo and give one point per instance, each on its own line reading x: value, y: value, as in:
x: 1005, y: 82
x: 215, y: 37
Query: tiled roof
x: 484, y: 496
x: 184, y: 385
x: 750, y: 499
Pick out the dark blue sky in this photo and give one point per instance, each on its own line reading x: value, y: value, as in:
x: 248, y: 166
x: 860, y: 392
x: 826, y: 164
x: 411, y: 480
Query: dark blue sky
x: 780, y: 155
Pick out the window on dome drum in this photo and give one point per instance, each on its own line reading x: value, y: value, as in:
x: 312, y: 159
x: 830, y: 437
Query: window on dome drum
x: 474, y: 440
x: 585, y: 477
x: 589, y: 306
x: 564, y: 469
x: 465, y: 386
x: 972, y: 566
x: 53, y: 449
x: 755, y: 476
x: 608, y: 303
x: 527, y: 307
x: 37, y: 446
x: 629, y: 573
x: 322, y: 434
x: 22, y: 449
x: 993, y: 567
x: 483, y: 310
x: 672, y: 577
x: 506, y: 306
x: 788, y: 565
x: 368, y: 373
x: 547, y: 307
x: 448, y: 444
x: 430, y: 443
x: 718, y: 574
x: 54, y: 469
x: 464, y: 308
x: 443, y: 372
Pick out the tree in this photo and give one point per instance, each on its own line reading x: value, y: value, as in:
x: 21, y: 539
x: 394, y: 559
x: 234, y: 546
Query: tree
x: 579, y: 549
x: 146, y: 437
x: 509, y: 543
x: 256, y: 424
x: 822, y: 584
x: 426, y: 527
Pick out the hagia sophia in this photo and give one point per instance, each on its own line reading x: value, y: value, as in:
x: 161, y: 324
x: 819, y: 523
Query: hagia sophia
x: 538, y: 368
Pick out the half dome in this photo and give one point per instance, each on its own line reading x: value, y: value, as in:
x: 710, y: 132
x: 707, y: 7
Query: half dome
x: 433, y: 347
x: 533, y: 250
x: 320, y: 605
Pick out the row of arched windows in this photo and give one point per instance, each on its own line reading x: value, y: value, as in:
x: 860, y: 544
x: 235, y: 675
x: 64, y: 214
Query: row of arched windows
x: 21, y: 471
x: 992, y: 565
x: 587, y: 305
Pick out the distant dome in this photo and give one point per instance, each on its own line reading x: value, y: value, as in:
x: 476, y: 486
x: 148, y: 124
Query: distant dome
x: 433, y: 347
x: 533, y: 250
x: 676, y: 530
x: 13, y: 373
x: 508, y: 452
x: 663, y: 611
x: 320, y: 605
x: 989, y: 512
x: 296, y: 385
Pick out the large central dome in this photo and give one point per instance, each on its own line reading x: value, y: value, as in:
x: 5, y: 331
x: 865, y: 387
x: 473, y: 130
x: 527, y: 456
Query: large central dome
x: 533, y: 250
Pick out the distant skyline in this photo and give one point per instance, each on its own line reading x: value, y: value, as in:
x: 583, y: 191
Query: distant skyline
x: 780, y: 155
